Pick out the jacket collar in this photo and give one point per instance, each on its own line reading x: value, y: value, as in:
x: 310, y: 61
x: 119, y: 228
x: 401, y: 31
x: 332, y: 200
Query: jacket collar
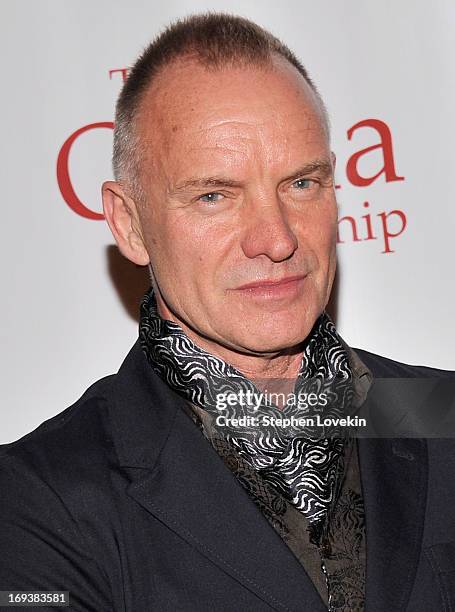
x: 142, y: 409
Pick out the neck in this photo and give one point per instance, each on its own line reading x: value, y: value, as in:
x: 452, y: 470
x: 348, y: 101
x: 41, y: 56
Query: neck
x: 283, y: 365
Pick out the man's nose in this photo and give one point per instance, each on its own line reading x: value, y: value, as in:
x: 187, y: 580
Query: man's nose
x: 267, y: 231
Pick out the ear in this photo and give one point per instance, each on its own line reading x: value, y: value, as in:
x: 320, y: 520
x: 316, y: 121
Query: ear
x: 121, y: 215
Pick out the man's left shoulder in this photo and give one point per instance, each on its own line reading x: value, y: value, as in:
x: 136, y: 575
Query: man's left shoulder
x: 384, y: 367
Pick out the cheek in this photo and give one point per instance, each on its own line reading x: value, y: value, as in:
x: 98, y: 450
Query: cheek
x: 317, y: 230
x: 189, y: 242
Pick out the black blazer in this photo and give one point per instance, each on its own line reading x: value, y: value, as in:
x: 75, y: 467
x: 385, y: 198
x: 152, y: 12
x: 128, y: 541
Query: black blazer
x: 121, y: 501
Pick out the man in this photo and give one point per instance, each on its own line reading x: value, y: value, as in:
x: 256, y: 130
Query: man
x: 139, y: 496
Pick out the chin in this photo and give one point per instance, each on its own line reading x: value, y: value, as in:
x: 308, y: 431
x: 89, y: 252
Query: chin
x: 274, y: 342
x: 278, y: 333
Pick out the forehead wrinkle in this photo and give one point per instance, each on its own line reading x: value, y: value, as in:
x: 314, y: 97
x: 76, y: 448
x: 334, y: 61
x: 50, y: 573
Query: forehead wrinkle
x: 238, y: 144
x: 228, y: 153
x: 235, y: 130
x: 262, y: 131
x: 251, y: 140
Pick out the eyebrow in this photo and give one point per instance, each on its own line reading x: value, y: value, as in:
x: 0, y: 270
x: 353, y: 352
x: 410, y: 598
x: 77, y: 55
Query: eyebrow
x: 323, y: 166
x: 207, y: 182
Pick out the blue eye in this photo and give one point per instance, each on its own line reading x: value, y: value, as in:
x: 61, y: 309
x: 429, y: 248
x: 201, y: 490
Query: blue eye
x: 302, y: 183
x: 211, y: 197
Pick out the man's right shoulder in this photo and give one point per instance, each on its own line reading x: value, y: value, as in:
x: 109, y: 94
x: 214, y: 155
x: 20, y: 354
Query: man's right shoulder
x: 56, y: 491
x: 67, y: 441
x: 121, y: 420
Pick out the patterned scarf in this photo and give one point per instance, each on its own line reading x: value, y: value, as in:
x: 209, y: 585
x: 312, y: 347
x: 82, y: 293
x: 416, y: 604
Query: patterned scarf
x: 303, y: 462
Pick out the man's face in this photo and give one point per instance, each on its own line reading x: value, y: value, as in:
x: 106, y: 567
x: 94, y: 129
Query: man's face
x: 239, y: 190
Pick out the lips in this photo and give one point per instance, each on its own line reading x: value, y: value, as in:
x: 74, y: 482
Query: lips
x: 271, y: 283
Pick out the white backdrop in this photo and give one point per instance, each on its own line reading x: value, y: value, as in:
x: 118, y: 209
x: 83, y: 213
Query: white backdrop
x: 386, y: 71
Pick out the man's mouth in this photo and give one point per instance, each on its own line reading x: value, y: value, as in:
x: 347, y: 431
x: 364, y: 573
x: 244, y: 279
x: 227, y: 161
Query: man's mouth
x: 272, y: 282
x: 287, y: 287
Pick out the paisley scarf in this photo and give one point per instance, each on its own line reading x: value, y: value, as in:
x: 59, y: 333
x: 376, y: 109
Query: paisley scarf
x: 303, y: 462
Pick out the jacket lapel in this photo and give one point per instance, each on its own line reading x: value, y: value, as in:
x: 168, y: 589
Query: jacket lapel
x: 185, y: 484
